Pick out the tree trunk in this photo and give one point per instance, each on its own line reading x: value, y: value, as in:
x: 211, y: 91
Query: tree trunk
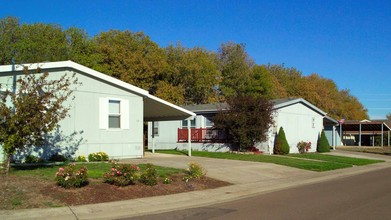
x: 8, y: 164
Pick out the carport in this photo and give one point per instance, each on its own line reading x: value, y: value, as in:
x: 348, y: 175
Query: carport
x: 367, y: 131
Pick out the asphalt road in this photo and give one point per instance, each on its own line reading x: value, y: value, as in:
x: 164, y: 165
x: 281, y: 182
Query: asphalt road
x: 365, y: 196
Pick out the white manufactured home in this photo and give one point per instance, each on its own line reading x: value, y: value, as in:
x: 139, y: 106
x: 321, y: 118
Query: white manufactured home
x: 106, y: 114
x: 301, y: 121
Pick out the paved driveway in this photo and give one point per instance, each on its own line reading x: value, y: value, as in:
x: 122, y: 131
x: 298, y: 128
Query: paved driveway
x: 233, y: 171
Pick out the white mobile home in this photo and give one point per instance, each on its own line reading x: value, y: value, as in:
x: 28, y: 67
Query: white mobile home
x: 301, y: 121
x: 106, y: 114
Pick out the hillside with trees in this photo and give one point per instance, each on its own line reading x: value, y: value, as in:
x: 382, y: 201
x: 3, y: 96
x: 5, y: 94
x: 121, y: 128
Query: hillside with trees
x: 175, y: 73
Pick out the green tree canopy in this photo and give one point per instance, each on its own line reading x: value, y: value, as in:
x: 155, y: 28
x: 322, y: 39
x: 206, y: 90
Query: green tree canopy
x: 175, y: 73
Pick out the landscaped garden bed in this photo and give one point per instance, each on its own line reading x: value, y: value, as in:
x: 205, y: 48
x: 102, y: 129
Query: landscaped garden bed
x: 35, y: 187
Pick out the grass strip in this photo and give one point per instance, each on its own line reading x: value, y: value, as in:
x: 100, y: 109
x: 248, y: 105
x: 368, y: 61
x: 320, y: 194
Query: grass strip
x: 95, y: 170
x: 318, y: 166
x: 336, y: 159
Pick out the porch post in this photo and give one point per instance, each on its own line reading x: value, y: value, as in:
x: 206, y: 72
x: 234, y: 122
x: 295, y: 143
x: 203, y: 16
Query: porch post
x: 189, y: 137
x: 359, y: 137
x: 153, y: 137
x: 340, y: 133
x: 382, y: 134
x: 388, y: 137
x: 373, y: 138
x: 333, y: 137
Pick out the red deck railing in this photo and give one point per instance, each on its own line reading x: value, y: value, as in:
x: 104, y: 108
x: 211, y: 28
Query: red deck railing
x: 203, y: 135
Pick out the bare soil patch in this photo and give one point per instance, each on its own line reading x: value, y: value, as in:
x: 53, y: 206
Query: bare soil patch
x: 17, y: 192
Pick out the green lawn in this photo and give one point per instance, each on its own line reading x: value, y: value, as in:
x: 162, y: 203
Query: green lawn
x: 95, y: 170
x: 336, y: 159
x: 319, y: 163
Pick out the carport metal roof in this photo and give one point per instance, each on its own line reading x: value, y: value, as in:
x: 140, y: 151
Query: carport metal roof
x: 367, y: 127
x: 155, y: 109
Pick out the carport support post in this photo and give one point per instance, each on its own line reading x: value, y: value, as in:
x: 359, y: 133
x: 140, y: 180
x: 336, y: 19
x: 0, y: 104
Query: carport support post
x: 340, y: 133
x: 153, y: 137
x: 382, y: 134
x: 189, y: 137
x: 359, y: 137
x: 334, y: 137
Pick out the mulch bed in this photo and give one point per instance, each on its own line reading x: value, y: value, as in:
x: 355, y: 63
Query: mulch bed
x: 28, y: 192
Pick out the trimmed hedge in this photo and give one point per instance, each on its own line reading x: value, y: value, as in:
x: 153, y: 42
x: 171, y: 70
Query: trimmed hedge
x: 281, y: 145
x: 323, y: 145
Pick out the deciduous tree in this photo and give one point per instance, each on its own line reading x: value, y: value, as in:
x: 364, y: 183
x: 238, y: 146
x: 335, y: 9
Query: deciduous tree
x: 247, y: 120
x: 33, y: 111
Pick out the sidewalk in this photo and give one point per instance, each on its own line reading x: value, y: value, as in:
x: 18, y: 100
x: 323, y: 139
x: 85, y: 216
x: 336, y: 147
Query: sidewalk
x: 249, y: 179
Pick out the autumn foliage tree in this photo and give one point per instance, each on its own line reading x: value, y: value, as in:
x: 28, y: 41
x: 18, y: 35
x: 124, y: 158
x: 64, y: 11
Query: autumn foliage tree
x: 32, y: 111
x: 175, y: 73
x: 247, y: 120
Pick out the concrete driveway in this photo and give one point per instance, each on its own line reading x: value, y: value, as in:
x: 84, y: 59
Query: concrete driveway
x: 232, y: 171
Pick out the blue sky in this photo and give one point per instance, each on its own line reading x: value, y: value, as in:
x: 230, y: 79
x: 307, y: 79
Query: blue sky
x: 347, y: 41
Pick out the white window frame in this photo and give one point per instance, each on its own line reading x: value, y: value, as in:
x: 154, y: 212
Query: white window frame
x: 104, y: 113
x: 155, y: 126
x: 185, y: 126
x: 206, y: 123
x: 110, y: 114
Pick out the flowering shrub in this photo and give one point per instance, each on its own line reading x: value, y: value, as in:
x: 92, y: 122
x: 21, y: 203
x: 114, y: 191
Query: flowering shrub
x: 304, y: 146
x: 122, y: 175
x: 195, y: 171
x: 98, y: 156
x: 167, y: 180
x: 68, y: 176
x: 149, y: 175
x: 81, y: 158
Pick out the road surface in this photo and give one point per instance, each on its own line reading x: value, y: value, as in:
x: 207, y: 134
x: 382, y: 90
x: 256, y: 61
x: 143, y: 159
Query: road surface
x: 365, y: 196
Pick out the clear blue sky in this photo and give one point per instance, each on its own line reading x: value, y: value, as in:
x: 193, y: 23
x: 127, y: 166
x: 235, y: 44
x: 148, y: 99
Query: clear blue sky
x: 347, y: 41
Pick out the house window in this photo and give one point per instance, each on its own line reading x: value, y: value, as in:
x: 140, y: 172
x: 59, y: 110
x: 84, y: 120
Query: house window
x: 208, y: 123
x: 192, y: 123
x: 114, y: 114
x: 155, y: 128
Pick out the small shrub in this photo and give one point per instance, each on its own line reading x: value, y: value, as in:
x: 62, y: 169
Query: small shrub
x: 68, y: 177
x: 81, y: 158
x: 323, y: 145
x: 58, y: 158
x: 304, y: 146
x: 195, y: 170
x: 41, y: 160
x: 167, y: 180
x: 122, y: 175
x: 281, y: 145
x: 98, y: 156
x: 31, y: 159
x: 149, y: 175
